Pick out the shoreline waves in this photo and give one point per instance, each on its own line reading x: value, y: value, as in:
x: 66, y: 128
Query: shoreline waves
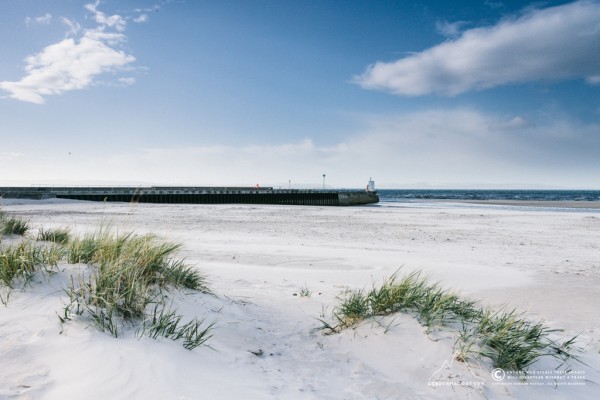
x: 483, y: 194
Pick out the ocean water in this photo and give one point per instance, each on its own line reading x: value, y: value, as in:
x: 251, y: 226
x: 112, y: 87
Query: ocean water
x: 530, y: 195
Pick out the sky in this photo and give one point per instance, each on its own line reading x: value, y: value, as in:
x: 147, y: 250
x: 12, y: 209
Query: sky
x: 415, y: 94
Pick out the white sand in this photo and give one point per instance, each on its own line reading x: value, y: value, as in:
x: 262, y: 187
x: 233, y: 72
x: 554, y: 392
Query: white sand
x: 257, y: 257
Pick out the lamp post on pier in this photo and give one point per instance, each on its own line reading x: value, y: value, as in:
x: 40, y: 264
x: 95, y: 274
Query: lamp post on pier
x: 323, y: 181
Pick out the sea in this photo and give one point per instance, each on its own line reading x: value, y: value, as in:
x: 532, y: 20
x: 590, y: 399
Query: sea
x: 405, y: 195
x: 451, y: 198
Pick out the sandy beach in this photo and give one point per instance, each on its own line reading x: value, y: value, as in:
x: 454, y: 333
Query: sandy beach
x: 543, y: 261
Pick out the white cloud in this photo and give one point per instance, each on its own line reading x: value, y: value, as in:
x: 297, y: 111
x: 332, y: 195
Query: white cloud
x: 74, y: 27
x: 126, y: 81
x: 449, y: 29
x: 551, y: 44
x: 114, y: 21
x: 41, y: 20
x: 141, y: 18
x: 74, y: 62
x: 68, y: 65
x: 154, y: 8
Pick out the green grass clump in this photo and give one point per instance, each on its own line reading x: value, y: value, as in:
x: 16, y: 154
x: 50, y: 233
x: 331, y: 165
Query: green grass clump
x: 18, y: 261
x: 59, y: 235
x: 513, y: 342
x: 354, y: 308
x: 85, y: 250
x: 167, y: 324
x: 24, y: 260
x: 14, y: 226
x: 305, y: 291
x: 142, y: 259
x: 129, y: 273
x: 431, y: 305
x: 178, y: 274
x: 507, y: 338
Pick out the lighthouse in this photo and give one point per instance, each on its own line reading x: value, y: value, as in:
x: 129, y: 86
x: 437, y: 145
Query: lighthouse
x: 371, y: 185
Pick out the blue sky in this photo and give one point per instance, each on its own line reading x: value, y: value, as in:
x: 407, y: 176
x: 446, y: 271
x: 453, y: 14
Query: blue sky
x: 412, y: 93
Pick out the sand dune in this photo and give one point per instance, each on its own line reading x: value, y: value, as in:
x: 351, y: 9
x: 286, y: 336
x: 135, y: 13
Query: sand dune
x: 258, y: 258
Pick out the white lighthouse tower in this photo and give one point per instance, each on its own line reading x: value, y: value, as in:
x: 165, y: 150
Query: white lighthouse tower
x: 371, y: 185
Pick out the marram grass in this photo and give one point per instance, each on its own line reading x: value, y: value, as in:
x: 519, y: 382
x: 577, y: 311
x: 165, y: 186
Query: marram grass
x: 506, y: 337
x: 167, y: 323
x: 513, y: 342
x: 124, y: 285
x: 58, y: 235
x: 14, y: 226
x: 129, y: 274
x: 305, y: 291
x: 23, y: 260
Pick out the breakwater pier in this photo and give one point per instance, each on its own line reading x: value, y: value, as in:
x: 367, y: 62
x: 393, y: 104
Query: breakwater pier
x: 196, y: 195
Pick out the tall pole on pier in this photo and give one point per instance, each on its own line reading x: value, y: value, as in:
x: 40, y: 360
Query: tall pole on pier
x: 323, y: 181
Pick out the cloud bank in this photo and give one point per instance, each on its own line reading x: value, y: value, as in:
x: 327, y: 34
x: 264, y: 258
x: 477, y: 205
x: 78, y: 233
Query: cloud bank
x: 550, y: 44
x: 440, y: 147
x: 447, y: 146
x: 74, y: 62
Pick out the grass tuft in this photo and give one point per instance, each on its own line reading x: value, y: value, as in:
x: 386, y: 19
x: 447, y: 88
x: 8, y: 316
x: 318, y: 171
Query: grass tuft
x: 354, y: 308
x: 305, y: 291
x: 178, y: 274
x: 167, y: 323
x: 513, y: 342
x: 14, y: 226
x: 25, y: 259
x: 129, y: 273
x: 506, y: 337
x: 59, y: 235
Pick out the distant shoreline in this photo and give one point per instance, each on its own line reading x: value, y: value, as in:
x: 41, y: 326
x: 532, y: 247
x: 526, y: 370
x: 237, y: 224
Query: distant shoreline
x: 533, y: 203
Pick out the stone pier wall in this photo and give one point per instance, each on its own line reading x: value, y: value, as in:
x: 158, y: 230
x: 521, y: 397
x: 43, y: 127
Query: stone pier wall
x: 196, y: 195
